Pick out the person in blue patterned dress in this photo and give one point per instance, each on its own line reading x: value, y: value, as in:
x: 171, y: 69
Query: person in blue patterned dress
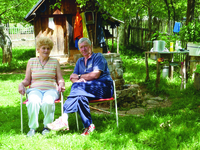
x: 91, y: 80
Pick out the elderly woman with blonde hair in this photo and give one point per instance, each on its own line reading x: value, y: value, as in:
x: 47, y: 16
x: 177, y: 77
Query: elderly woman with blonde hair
x: 45, y: 81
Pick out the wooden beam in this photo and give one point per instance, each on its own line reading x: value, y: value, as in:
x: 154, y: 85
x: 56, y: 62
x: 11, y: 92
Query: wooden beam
x: 95, y: 28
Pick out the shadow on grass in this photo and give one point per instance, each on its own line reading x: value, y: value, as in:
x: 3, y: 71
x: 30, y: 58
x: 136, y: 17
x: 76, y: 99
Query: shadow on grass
x: 11, y: 118
x: 144, y: 131
x: 12, y: 76
x: 25, y: 54
x: 147, y: 131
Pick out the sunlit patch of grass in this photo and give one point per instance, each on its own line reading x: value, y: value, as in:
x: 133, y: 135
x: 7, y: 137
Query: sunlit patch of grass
x: 174, y: 127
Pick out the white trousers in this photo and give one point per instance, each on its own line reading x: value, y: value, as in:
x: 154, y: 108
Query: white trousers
x: 43, y: 100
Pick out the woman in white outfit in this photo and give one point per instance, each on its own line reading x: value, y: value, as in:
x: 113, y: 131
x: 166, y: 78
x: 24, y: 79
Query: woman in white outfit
x: 45, y: 81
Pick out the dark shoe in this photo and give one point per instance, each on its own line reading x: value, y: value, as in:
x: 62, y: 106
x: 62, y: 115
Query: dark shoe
x: 45, y: 131
x: 31, y: 133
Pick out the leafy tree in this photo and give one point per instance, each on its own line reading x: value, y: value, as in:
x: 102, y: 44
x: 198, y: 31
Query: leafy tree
x: 11, y: 11
x: 126, y: 10
x: 15, y: 10
x: 190, y: 11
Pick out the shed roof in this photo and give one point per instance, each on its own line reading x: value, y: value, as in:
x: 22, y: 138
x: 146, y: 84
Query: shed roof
x: 31, y: 14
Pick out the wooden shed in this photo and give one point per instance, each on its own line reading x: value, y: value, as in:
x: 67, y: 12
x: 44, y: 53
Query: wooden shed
x: 58, y: 24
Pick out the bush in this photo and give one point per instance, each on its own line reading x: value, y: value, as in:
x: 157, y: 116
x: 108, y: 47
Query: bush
x: 191, y: 32
x: 19, y: 60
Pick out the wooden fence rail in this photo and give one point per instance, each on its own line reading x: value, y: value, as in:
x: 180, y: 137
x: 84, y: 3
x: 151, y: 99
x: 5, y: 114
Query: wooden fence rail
x: 140, y: 35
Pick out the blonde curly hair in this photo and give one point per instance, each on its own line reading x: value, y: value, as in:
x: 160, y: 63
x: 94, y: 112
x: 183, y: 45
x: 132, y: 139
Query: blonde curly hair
x: 44, y: 41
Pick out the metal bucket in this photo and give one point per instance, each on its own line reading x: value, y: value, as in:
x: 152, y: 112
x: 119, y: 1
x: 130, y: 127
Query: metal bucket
x: 165, y: 72
x: 158, y: 45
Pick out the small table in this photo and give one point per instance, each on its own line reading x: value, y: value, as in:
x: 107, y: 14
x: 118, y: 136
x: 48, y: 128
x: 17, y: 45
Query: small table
x: 184, y: 57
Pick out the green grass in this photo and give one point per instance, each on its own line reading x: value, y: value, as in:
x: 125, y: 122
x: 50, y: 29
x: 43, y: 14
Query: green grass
x: 19, y: 60
x: 180, y: 122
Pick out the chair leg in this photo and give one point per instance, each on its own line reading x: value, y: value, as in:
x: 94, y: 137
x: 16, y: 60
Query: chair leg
x: 116, y: 112
x: 115, y: 96
x: 21, y: 116
x: 110, y: 107
x: 77, y: 121
x: 61, y: 103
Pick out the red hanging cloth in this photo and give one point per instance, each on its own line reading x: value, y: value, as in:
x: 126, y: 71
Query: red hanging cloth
x: 78, y: 27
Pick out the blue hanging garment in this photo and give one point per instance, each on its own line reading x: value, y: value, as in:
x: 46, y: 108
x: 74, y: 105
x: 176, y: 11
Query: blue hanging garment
x: 177, y: 27
x: 76, y: 43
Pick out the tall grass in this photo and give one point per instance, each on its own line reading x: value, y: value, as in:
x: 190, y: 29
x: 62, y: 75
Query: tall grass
x: 175, y: 127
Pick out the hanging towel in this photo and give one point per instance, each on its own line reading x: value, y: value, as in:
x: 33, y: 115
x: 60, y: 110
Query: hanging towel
x: 177, y: 27
x: 78, y: 27
x: 51, y: 24
x: 85, y: 31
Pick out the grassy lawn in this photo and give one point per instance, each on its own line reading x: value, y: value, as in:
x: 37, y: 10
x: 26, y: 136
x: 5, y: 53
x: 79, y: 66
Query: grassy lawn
x: 171, y: 128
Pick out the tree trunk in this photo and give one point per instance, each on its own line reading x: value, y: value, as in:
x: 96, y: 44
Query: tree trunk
x: 6, y: 45
x: 129, y: 31
x: 150, y: 18
x: 174, y: 12
x: 137, y: 30
x: 124, y: 42
x: 190, y: 11
x: 168, y: 10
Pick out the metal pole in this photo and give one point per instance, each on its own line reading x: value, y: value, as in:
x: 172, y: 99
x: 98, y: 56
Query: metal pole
x: 21, y: 116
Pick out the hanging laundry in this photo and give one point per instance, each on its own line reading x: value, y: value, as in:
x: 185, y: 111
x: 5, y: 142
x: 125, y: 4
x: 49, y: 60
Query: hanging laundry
x: 99, y: 30
x: 85, y: 31
x: 51, y: 24
x: 76, y: 43
x: 177, y: 27
x: 78, y: 27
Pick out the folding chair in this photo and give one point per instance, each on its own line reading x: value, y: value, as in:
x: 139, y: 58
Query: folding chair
x: 60, y: 100
x: 92, y: 102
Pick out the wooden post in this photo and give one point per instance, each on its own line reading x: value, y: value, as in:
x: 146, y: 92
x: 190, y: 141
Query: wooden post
x: 95, y: 28
x: 194, y: 60
x: 171, y: 69
x: 184, y: 70
x: 158, y: 72
x: 142, y: 38
x: 112, y: 39
x: 187, y: 65
x: 117, y: 41
x: 147, y: 66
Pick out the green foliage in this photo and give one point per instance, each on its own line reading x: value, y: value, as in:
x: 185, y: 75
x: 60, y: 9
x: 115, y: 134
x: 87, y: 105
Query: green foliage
x: 56, y: 4
x: 129, y: 50
x: 14, y: 11
x: 197, y: 69
x: 191, y: 32
x: 82, y: 2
